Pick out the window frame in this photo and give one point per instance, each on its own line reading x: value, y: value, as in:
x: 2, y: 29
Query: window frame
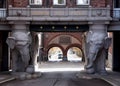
x: 82, y: 4
x: 35, y: 3
x: 59, y: 4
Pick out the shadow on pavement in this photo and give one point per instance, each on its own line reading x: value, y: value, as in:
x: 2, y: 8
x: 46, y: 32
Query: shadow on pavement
x: 88, y: 82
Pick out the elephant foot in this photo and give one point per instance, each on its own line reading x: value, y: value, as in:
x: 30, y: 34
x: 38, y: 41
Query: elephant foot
x: 89, y: 65
x: 26, y: 76
x: 30, y: 69
x: 19, y: 75
x: 90, y: 71
x: 104, y: 73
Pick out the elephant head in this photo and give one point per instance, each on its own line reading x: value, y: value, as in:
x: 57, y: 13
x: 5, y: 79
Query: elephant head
x: 18, y: 38
x: 11, y: 42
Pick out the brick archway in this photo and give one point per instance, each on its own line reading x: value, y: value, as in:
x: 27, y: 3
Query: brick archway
x: 52, y: 40
x: 55, y: 45
x: 78, y: 46
x: 74, y: 35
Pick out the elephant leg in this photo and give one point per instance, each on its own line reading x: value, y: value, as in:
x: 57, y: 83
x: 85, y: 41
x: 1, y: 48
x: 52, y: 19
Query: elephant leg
x: 14, y: 60
x: 100, y: 62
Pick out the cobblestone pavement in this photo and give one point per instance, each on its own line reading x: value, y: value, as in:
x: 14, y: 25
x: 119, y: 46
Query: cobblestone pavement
x: 58, y: 79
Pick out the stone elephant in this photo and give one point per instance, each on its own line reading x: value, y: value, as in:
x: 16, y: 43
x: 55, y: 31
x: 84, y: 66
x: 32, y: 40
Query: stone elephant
x: 19, y: 42
x: 97, y: 42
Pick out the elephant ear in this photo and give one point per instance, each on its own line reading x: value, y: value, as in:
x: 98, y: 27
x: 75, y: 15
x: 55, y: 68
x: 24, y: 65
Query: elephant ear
x: 107, y: 42
x: 30, y: 38
x: 11, y: 42
x: 89, y: 34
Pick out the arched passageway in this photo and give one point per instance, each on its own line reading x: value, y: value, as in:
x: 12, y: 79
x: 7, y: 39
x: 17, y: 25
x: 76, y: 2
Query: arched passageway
x: 55, y: 54
x: 74, y: 54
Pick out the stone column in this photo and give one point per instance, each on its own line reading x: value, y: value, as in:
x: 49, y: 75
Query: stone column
x: 41, y: 46
x: 97, y: 43
x: 37, y: 47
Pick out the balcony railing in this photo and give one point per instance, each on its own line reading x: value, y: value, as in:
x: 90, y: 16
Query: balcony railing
x: 2, y: 12
x: 116, y: 13
x: 61, y: 13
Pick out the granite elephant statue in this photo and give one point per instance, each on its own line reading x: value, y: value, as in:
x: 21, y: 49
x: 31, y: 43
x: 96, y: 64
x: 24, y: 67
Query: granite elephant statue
x: 98, y: 43
x: 19, y: 42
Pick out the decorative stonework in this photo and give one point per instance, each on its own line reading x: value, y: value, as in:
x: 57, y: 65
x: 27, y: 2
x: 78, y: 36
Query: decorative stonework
x: 26, y: 76
x: 65, y: 40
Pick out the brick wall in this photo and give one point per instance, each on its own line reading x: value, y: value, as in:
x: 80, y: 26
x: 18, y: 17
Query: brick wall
x: 18, y: 3
x: 52, y: 35
x: 111, y: 46
x: 10, y: 2
x: 109, y: 2
x: 70, y: 3
x: 98, y: 3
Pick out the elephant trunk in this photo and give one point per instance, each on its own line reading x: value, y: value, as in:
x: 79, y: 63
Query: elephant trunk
x: 24, y: 51
x: 26, y: 60
x: 92, y: 55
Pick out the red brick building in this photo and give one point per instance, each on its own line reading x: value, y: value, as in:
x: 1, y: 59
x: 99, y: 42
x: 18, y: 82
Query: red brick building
x: 69, y: 3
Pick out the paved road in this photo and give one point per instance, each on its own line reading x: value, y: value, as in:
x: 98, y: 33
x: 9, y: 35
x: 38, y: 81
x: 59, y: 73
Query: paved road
x: 58, y: 79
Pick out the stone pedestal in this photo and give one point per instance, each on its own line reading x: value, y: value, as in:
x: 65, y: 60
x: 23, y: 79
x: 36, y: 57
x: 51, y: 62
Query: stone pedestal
x: 25, y: 76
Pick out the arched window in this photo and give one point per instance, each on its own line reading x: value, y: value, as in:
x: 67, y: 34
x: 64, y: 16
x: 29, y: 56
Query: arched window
x: 35, y: 2
x: 83, y: 2
x: 59, y: 2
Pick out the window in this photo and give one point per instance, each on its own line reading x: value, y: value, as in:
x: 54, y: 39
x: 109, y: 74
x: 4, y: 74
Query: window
x: 35, y: 2
x: 116, y: 3
x: 59, y: 2
x: 83, y: 2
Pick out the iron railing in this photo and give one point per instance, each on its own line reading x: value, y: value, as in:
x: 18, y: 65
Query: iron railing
x: 2, y: 12
x: 116, y: 13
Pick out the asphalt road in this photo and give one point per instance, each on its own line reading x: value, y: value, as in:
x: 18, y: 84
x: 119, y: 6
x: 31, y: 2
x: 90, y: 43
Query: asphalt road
x: 58, y: 79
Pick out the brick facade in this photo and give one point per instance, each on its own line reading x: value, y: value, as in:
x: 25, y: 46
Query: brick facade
x: 10, y: 2
x: 19, y: 3
x: 70, y: 3
x: 109, y: 2
x: 98, y: 3
x: 52, y: 35
x: 49, y: 36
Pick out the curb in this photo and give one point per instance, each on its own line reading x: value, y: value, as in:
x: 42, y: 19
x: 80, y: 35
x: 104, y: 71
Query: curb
x: 111, y: 81
x: 7, y: 80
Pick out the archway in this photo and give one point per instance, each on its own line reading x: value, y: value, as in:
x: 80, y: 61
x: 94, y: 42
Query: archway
x: 55, y: 54
x: 74, y: 54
